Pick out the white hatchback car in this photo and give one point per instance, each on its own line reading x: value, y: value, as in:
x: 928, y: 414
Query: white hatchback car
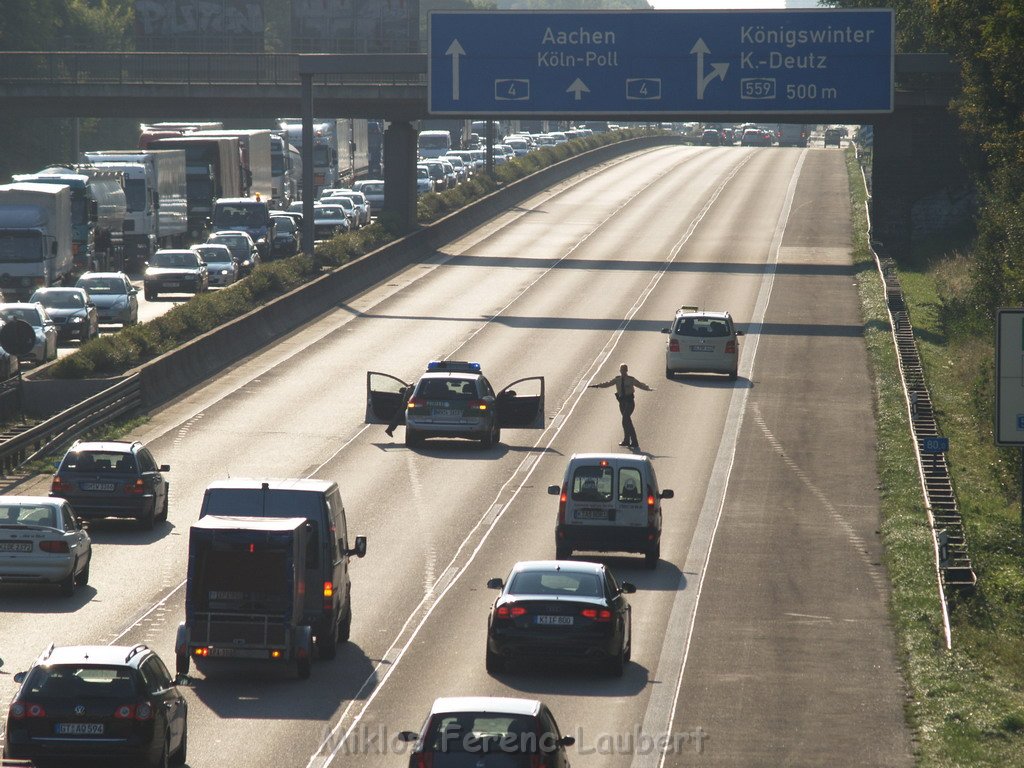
x: 43, y: 542
x: 702, y: 342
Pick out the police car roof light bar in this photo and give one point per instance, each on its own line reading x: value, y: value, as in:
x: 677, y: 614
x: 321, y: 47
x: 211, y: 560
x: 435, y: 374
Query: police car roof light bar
x: 459, y: 366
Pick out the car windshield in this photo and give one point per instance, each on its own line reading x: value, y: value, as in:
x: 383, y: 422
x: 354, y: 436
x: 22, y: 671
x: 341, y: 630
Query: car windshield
x: 592, y: 484
x: 238, y: 216
x: 29, y: 314
x: 702, y: 326
x: 60, y: 299
x: 329, y: 212
x: 373, y: 189
x: 28, y: 514
x: 447, y: 389
x: 98, y: 461
x: 81, y: 682
x: 284, y: 225
x: 216, y: 256
x: 482, y: 732
x: 104, y: 285
x: 179, y: 260
x: 564, y: 583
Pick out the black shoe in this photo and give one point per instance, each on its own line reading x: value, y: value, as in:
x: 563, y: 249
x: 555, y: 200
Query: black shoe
x: 624, y: 444
x: 389, y: 432
x: 635, y: 446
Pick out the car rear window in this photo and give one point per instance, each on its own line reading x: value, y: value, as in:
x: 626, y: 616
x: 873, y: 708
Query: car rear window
x: 99, y: 461
x: 561, y: 583
x: 702, y: 326
x: 80, y: 681
x: 481, y: 732
x: 28, y: 514
x: 630, y: 485
x: 447, y: 389
x: 593, y: 483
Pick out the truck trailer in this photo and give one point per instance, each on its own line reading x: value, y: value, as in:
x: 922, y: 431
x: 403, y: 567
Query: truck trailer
x: 254, y: 146
x: 156, y: 197
x: 35, y: 237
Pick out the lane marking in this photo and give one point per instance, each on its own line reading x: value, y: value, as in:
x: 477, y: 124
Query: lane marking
x: 661, y: 706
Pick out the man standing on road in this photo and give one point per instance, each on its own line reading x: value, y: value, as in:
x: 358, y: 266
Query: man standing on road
x: 625, y: 389
x: 405, y: 393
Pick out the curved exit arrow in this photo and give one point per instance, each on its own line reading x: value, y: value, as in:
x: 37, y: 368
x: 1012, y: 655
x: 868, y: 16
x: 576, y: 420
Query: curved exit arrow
x: 455, y: 50
x: 717, y: 70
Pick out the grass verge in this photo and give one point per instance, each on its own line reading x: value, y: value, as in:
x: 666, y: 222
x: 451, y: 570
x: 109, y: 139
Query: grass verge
x: 966, y: 706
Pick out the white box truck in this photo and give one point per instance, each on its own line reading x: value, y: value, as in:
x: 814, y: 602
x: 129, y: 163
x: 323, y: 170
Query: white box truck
x: 35, y: 237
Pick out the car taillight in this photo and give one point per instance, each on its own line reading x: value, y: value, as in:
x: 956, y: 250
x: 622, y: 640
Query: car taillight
x: 730, y: 347
x: 652, y: 502
x: 477, y: 405
x: 328, y: 596
x: 538, y: 761
x: 144, y: 712
x: 510, y: 611
x: 673, y: 345
x: 416, y: 402
x: 59, y: 486
x: 21, y: 710
x: 425, y: 760
x: 56, y: 547
x: 602, y: 614
x: 136, y: 488
x: 563, y: 497
x: 124, y: 712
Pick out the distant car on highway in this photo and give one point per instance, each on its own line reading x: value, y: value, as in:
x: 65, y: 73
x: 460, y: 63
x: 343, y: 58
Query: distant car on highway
x: 833, y: 137
x: 71, y: 310
x: 221, y: 265
x: 755, y: 137
x: 45, y: 348
x: 454, y: 399
x: 373, y: 189
x: 563, y: 610
x: 42, y: 541
x: 115, y: 297
x: 702, y: 342
x: 465, y: 731
x: 174, y: 271
x: 108, y: 703
x: 287, y: 236
x: 711, y: 138
x: 242, y: 248
x: 113, y: 478
x: 329, y: 221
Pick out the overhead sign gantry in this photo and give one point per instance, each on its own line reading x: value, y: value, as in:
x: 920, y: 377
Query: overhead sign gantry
x: 618, y: 63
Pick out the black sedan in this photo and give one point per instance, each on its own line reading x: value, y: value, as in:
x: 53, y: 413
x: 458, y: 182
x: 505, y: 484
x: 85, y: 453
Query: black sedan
x: 71, y: 310
x: 108, y: 703
x: 560, y: 609
x: 175, y: 272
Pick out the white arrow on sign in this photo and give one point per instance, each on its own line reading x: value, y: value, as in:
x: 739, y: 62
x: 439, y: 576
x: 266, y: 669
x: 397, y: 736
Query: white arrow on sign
x: 717, y: 70
x: 578, y: 88
x: 455, y: 50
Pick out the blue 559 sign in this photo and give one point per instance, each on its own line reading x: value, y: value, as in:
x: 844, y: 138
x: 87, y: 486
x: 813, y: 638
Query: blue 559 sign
x: 660, y: 62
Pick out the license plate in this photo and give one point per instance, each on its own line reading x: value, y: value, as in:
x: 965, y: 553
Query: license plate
x: 15, y: 546
x: 80, y: 729
x: 590, y: 514
x: 701, y: 348
x: 561, y: 621
x: 171, y: 285
x: 107, y: 487
x: 240, y: 653
x: 445, y: 412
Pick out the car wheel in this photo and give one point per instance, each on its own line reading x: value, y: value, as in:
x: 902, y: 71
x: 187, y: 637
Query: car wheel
x: 562, y: 552
x: 493, y: 663
x: 163, y: 510
x: 617, y: 663
x: 412, y: 438
x: 651, y: 558
x: 162, y: 760
x: 345, y: 623
x: 148, y: 520
x: 733, y: 375
x: 629, y: 647
x: 181, y: 662
x: 83, y: 575
x: 150, y: 295
x: 67, y: 585
x: 327, y: 645
x: 181, y: 755
x: 669, y: 373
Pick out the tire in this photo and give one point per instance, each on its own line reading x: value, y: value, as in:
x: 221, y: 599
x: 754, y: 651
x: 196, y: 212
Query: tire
x: 162, y: 517
x: 488, y: 440
x: 733, y: 375
x: 181, y: 755
x: 345, y: 623
x: 67, y: 585
x: 669, y: 373
x: 150, y: 295
x: 617, y: 663
x: 562, y: 552
x: 628, y: 655
x: 327, y: 645
x: 181, y: 663
x: 651, y: 558
x: 493, y: 663
x: 412, y: 438
x: 163, y: 759
x: 303, y: 667
x: 83, y: 576
x: 148, y: 521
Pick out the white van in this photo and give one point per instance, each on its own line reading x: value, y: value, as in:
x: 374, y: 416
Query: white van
x: 609, y: 502
x: 431, y: 144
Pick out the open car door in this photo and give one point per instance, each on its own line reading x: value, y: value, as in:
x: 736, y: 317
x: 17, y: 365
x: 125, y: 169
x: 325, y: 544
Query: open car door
x: 522, y: 408
x: 384, y: 397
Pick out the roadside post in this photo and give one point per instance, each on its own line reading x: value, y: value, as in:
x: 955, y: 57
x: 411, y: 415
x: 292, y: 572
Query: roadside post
x: 1009, y: 410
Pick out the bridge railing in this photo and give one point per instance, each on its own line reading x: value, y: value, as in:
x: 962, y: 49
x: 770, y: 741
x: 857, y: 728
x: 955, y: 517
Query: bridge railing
x: 77, y: 68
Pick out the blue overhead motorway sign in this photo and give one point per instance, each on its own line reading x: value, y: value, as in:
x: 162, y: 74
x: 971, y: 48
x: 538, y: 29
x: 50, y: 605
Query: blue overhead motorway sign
x: 495, y: 63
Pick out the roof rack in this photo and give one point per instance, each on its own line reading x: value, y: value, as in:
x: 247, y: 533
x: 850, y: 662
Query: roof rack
x: 453, y: 366
x: 48, y: 651
x: 688, y: 308
x: 136, y: 649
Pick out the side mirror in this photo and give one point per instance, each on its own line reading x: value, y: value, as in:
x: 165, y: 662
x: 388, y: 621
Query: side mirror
x: 82, y: 524
x: 668, y: 493
x: 627, y: 588
x: 132, y: 291
x: 566, y: 741
x: 495, y: 583
x: 554, y: 490
x: 739, y: 333
x: 19, y: 677
x: 165, y: 467
x: 145, y: 263
x: 408, y: 736
x: 360, y: 548
x: 666, y: 330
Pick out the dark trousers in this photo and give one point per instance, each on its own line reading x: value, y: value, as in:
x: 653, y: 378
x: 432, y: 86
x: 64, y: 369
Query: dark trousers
x: 626, y: 406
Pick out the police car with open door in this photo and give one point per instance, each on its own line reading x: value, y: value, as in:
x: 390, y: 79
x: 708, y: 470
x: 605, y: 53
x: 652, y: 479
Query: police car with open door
x: 454, y: 399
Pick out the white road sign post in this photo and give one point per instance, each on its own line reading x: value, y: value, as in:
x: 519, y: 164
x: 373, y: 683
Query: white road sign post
x: 1009, y: 421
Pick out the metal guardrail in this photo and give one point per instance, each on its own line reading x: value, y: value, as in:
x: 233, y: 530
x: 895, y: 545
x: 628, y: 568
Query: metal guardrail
x: 76, y: 68
x: 122, y: 399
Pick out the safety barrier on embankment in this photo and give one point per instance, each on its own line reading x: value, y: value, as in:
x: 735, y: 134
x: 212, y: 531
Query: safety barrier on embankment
x: 85, y: 404
x: 954, y: 572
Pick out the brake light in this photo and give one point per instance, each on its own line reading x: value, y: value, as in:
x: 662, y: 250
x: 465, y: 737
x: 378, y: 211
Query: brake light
x: 143, y: 712
x: 477, y: 405
x: 136, y: 488
x: 510, y: 611
x: 201, y: 652
x: 425, y: 760
x: 730, y: 347
x: 124, y: 712
x: 59, y: 486
x: 20, y: 710
x: 55, y: 547
x: 597, y: 615
x: 328, y: 596
x: 561, y: 503
x: 538, y: 761
x: 416, y: 402
x: 673, y: 345
x: 652, y: 509
x: 328, y: 589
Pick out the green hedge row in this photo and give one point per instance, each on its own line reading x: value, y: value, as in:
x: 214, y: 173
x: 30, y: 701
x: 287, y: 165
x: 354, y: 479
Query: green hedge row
x: 113, y: 354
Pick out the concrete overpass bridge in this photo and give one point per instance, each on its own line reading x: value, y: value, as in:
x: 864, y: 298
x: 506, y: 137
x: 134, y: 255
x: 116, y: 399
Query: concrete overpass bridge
x: 916, y: 146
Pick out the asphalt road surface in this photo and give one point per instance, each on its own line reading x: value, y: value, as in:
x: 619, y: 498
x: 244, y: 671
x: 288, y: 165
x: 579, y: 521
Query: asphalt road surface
x: 762, y: 637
